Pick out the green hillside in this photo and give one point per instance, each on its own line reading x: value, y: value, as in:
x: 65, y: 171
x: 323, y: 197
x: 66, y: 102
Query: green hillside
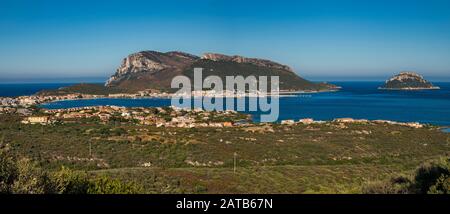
x: 288, y: 80
x: 271, y: 158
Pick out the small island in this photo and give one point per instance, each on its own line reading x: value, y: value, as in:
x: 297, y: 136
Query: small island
x: 407, y: 81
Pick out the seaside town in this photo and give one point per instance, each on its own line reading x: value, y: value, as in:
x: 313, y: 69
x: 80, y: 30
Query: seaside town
x: 161, y: 117
x: 39, y: 99
x: 26, y: 101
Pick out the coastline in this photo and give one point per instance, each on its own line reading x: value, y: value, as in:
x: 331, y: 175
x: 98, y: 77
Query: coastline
x: 42, y: 100
x: 445, y: 129
x: 126, y: 113
x: 169, y: 96
x: 307, y: 121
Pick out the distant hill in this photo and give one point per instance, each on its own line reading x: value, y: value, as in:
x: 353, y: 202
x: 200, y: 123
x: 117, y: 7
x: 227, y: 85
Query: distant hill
x: 155, y: 70
x: 407, y: 81
x: 82, y: 88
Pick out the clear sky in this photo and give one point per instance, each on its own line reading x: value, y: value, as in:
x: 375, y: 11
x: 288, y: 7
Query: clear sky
x: 321, y: 40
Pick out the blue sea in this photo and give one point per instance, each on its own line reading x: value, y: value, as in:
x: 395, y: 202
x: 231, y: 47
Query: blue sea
x: 356, y: 100
x: 17, y: 89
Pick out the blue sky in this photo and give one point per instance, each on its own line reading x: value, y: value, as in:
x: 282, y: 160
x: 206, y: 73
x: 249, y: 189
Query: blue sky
x: 322, y: 40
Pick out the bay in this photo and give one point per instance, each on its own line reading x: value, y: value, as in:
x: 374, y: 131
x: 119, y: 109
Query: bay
x: 359, y: 100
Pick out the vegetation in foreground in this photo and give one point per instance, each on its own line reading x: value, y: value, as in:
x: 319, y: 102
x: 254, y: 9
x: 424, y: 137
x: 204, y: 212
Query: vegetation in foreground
x: 270, y: 158
x: 432, y: 177
x: 24, y: 176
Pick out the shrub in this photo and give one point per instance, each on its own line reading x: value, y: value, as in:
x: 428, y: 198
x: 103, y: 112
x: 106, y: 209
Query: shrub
x: 429, y: 173
x: 69, y: 182
x: 105, y: 185
x: 25, y: 177
x: 22, y: 176
x: 8, y: 172
x: 442, y: 186
x: 118, y: 131
x: 200, y: 189
x: 397, y: 185
x: 432, y: 177
x: 31, y: 179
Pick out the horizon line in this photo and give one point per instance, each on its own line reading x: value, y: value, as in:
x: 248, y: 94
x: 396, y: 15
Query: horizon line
x: 103, y: 81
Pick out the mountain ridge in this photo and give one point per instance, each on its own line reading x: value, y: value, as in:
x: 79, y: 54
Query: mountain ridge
x: 155, y: 70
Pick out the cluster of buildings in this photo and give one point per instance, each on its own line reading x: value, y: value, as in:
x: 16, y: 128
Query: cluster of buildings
x: 18, y: 101
x: 144, y: 93
x: 410, y: 124
x: 26, y: 101
x: 22, y: 104
x: 160, y: 117
x: 305, y: 121
x: 43, y: 120
x: 224, y: 93
x: 15, y: 110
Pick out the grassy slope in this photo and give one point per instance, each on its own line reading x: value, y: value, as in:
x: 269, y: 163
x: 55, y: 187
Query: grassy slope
x: 263, y: 179
x: 319, y: 158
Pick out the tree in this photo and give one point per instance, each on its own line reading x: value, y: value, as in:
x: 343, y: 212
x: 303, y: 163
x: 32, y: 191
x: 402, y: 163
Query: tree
x: 430, y: 178
x: 25, y: 177
x: 8, y: 172
x: 31, y: 179
x: 431, y: 173
x: 69, y: 182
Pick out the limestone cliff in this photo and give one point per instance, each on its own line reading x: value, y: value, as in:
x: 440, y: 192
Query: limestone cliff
x: 155, y: 70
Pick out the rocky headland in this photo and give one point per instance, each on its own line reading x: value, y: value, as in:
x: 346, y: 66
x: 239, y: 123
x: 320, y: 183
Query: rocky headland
x: 155, y: 70
x: 407, y: 81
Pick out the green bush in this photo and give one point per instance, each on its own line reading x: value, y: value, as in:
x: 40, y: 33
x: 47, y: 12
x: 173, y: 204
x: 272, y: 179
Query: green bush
x: 31, y: 179
x: 442, y: 186
x: 69, y: 182
x: 105, y: 185
x: 118, y: 131
x: 432, y: 177
x: 397, y: 185
x: 429, y: 173
x: 25, y: 177
x: 8, y: 173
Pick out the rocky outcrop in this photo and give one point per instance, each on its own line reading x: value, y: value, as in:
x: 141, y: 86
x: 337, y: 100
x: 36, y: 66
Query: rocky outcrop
x: 155, y: 70
x: 407, y: 81
x: 150, y: 62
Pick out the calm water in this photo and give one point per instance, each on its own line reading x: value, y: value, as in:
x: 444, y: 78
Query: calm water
x: 12, y: 90
x: 356, y: 100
